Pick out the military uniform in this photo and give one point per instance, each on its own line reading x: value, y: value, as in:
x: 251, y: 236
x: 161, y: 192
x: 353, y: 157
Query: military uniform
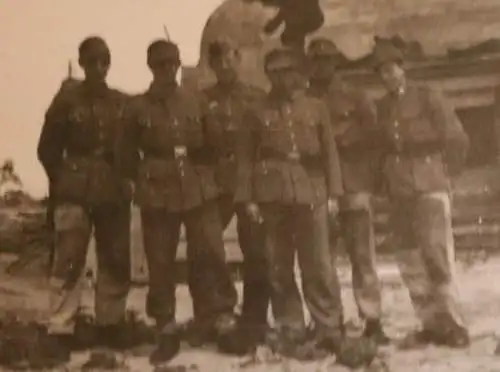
x: 353, y: 118
x: 66, y: 87
x: 425, y: 145
x: 224, y: 117
x: 77, y: 149
x: 171, y: 162
x: 289, y: 166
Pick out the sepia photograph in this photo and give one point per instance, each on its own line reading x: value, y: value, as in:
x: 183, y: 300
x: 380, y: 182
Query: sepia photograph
x: 250, y: 185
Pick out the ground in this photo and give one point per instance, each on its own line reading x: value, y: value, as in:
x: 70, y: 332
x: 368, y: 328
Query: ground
x: 481, y: 299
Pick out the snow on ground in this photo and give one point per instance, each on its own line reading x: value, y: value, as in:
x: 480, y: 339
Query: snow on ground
x: 480, y: 294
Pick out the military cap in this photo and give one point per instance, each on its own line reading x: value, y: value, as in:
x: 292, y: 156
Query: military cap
x: 386, y: 52
x: 160, y: 50
x: 93, y: 47
x: 220, y: 47
x: 323, y: 47
x: 282, y: 58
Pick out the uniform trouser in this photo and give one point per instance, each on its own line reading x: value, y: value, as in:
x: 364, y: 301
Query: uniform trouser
x: 73, y: 227
x: 255, y: 281
x: 301, y: 229
x: 212, y: 288
x: 356, y: 217
x: 423, y: 238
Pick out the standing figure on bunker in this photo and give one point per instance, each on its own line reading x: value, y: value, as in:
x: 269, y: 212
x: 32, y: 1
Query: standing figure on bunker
x: 227, y: 101
x: 77, y: 149
x: 166, y: 155
x: 425, y: 145
x: 354, y: 123
x: 289, y: 178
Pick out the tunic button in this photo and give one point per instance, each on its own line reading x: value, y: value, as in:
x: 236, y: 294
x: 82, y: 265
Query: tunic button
x: 398, y: 159
x: 396, y: 136
x: 427, y: 159
x: 396, y: 124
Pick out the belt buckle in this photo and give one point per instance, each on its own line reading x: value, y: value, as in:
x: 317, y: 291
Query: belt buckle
x: 180, y: 151
x: 294, y: 155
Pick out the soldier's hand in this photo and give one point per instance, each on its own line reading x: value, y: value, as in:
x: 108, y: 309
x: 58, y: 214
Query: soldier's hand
x: 253, y: 211
x: 333, y: 207
x: 129, y: 188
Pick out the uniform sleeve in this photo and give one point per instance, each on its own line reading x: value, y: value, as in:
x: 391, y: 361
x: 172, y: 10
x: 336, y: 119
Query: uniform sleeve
x: 51, y: 143
x: 127, y: 140
x: 210, y: 132
x: 246, y: 150
x: 373, y: 133
x: 330, y: 154
x: 367, y: 112
x: 383, y: 146
x: 456, y: 141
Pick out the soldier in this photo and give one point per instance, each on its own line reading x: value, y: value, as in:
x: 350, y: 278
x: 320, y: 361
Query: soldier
x: 353, y: 118
x: 166, y: 155
x: 289, y: 178
x: 425, y: 145
x: 78, y: 151
x: 227, y: 100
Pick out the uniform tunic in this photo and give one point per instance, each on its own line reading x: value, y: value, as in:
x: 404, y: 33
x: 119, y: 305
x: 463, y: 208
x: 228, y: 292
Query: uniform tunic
x: 78, y: 150
x: 357, y: 135
x: 425, y: 144
x: 289, y: 165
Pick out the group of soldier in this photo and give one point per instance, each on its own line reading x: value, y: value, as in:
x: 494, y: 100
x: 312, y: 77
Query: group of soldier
x: 297, y: 166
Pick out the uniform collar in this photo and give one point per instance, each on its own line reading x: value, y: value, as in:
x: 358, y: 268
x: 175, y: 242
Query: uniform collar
x: 402, y: 92
x: 161, y: 92
x: 279, y: 98
x: 229, y: 87
x: 94, y: 90
x: 322, y: 87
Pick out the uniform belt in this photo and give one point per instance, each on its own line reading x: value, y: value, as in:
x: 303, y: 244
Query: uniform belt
x: 196, y: 156
x: 307, y: 160
x: 417, y: 149
x: 99, y: 153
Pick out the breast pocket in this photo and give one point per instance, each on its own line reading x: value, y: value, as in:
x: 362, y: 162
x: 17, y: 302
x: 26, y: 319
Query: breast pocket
x: 152, y: 131
x: 307, y: 134
x: 80, y: 119
x: 271, y: 129
x: 417, y: 125
x: 193, y: 131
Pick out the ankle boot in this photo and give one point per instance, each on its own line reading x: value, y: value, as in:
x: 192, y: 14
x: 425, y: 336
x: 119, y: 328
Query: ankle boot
x: 168, y: 347
x: 375, y: 331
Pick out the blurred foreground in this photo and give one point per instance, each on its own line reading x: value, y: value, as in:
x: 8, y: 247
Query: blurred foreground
x: 477, y: 277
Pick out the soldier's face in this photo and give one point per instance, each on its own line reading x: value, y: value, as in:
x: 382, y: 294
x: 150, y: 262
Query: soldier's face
x: 96, y: 67
x: 322, y: 67
x: 284, y: 79
x: 393, y: 76
x: 225, y: 65
x: 164, y: 69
